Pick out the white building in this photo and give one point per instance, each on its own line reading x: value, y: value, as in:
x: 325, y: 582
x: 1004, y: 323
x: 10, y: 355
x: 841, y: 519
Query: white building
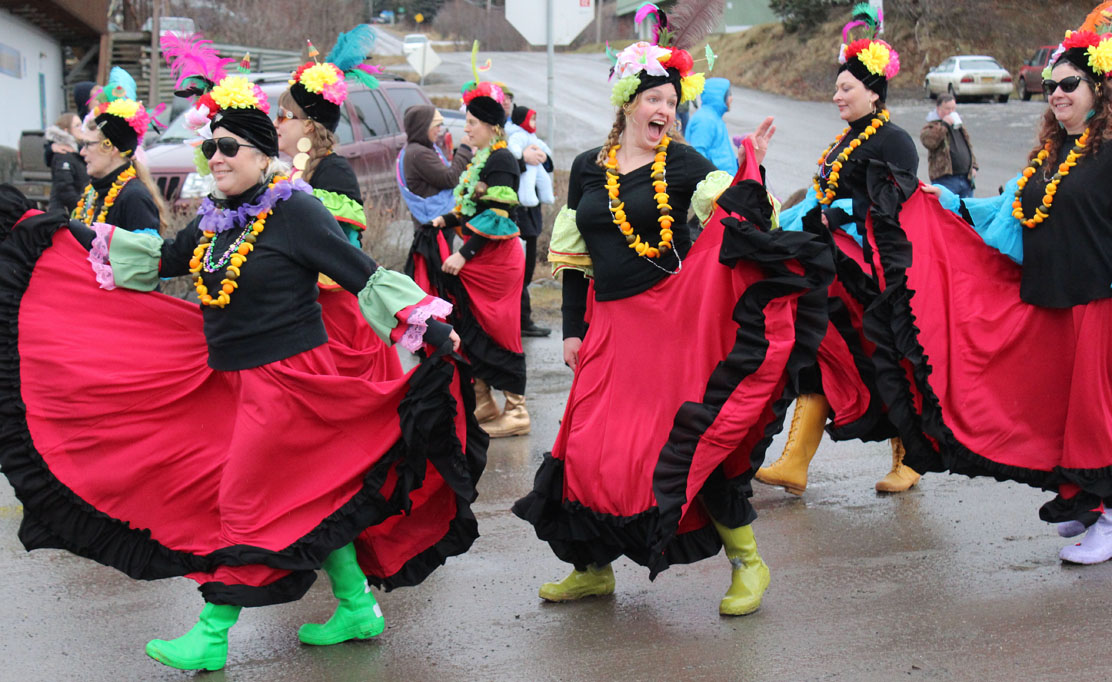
x: 33, y: 34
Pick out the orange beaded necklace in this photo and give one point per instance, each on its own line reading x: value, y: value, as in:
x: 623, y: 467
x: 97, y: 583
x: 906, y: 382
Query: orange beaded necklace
x: 234, y: 257
x: 826, y: 197
x: 89, y: 197
x: 660, y: 186
x: 1042, y: 212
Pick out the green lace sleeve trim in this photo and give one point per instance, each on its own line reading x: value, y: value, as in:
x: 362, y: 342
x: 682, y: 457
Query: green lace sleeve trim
x: 567, y: 248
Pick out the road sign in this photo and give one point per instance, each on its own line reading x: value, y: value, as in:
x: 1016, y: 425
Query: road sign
x: 570, y: 17
x: 423, y: 60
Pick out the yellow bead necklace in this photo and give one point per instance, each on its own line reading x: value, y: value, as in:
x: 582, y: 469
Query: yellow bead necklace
x: 825, y: 197
x: 660, y: 187
x: 1042, y: 212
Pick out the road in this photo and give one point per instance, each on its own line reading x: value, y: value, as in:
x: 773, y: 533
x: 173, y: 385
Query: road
x: 1001, y: 133
x: 954, y: 580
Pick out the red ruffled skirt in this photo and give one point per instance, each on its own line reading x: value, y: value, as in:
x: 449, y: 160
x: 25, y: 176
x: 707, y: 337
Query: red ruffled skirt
x: 676, y: 396
x: 356, y: 349
x: 486, y: 300
x: 980, y: 382
x: 125, y: 447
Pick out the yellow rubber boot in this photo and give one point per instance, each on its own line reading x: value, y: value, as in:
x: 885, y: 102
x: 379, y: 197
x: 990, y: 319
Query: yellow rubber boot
x: 485, y: 407
x: 804, y: 436
x: 514, y: 421
x: 750, y: 576
x: 594, y: 582
x: 901, y: 477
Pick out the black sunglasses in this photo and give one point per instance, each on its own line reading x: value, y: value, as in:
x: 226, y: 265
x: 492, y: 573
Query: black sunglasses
x: 228, y: 146
x: 1067, y: 84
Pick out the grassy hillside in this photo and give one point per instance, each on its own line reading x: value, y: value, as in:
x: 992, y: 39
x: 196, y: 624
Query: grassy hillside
x: 804, y: 65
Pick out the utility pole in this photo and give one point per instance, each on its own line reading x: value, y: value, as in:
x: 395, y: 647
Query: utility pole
x: 598, y: 21
x: 153, y: 96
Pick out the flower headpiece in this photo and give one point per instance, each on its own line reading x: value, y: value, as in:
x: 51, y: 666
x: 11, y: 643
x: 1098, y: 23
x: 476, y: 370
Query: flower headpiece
x: 319, y: 88
x: 483, y: 99
x: 1088, y: 51
x: 117, y: 113
x: 871, y: 60
x: 645, y: 65
x: 222, y: 100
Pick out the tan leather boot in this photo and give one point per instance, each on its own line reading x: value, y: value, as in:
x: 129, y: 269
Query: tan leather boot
x: 804, y: 436
x: 514, y: 420
x: 485, y: 407
x: 901, y: 477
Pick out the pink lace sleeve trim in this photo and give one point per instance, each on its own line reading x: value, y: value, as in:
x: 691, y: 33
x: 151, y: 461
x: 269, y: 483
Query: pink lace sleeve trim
x: 416, y: 317
x: 98, y: 255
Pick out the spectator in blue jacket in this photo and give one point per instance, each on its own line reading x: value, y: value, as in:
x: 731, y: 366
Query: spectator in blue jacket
x: 706, y: 131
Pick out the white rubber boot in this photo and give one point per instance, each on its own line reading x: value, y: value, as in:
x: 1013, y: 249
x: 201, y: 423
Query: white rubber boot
x: 1095, y: 547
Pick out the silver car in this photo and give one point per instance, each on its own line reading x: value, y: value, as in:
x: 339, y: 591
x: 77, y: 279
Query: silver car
x: 966, y: 76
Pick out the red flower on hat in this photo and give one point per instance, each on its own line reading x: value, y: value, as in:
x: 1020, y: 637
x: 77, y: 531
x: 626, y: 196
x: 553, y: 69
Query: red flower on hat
x: 857, y: 46
x: 206, y: 100
x: 679, y: 60
x: 1081, y: 39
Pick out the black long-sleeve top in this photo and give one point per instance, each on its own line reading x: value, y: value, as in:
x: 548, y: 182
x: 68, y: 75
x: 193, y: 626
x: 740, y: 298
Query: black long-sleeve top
x: 134, y: 208
x: 618, y: 271
x: 274, y: 313
x: 334, y: 174
x: 1067, y: 259
x: 890, y: 144
x: 500, y: 170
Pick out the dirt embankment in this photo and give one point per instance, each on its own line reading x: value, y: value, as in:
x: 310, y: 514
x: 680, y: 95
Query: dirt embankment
x: 803, y: 65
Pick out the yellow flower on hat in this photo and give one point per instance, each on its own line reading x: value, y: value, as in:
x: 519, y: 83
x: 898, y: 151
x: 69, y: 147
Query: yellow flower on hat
x: 875, y: 57
x: 235, y: 92
x: 124, y: 108
x: 1100, y: 56
x: 691, y: 86
x: 316, y: 77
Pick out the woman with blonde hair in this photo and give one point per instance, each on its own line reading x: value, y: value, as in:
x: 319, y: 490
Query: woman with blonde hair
x: 308, y: 113
x: 121, y: 191
x: 684, y: 356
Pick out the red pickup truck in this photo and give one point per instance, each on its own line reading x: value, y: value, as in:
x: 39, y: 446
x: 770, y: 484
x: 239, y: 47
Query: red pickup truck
x: 1029, y: 81
x: 371, y: 134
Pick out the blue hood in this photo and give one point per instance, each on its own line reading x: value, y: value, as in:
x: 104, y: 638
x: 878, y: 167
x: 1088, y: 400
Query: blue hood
x: 714, y: 94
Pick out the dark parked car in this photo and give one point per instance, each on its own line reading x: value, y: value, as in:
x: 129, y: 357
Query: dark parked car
x: 370, y: 133
x: 1030, y: 77
x: 34, y: 174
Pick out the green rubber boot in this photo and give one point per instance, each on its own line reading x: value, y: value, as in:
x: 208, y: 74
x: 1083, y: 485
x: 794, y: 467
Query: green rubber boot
x: 750, y: 576
x: 358, y: 615
x: 205, y: 647
x: 594, y: 582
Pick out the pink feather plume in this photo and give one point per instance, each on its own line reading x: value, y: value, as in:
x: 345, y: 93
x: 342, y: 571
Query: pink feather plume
x: 193, y: 56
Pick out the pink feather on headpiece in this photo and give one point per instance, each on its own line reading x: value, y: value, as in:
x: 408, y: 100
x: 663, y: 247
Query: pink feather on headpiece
x: 193, y: 56
x: 371, y: 69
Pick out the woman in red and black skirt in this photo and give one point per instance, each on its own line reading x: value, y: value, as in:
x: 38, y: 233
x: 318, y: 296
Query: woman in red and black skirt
x: 682, y: 354
x: 999, y: 362
x: 308, y: 113
x: 841, y: 386
x: 224, y: 444
x: 483, y: 277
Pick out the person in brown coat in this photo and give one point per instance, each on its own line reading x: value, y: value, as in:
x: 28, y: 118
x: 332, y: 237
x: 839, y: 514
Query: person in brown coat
x: 428, y: 177
x: 950, y: 162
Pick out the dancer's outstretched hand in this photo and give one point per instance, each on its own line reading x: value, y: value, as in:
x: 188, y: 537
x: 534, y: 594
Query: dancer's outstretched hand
x: 760, y: 139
